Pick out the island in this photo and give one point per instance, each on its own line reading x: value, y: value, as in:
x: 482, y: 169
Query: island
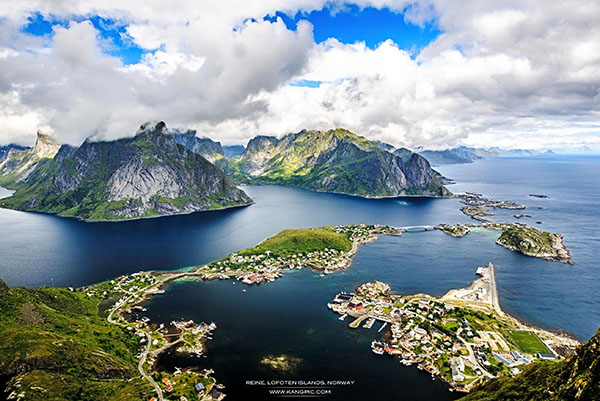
x: 96, y: 343
x: 529, y: 241
x: 281, y: 363
x: 455, y: 230
x: 463, y: 337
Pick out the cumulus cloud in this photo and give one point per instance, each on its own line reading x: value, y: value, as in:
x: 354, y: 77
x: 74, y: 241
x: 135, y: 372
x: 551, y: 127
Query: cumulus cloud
x: 514, y: 74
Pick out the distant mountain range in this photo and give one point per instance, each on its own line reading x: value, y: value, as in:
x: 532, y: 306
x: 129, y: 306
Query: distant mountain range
x: 144, y: 176
x: 464, y: 154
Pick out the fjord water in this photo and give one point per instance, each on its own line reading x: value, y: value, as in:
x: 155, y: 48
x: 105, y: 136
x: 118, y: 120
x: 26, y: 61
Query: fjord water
x: 290, y: 315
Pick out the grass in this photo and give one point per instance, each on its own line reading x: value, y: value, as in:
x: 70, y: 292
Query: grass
x: 54, y: 340
x: 527, y: 341
x: 306, y: 240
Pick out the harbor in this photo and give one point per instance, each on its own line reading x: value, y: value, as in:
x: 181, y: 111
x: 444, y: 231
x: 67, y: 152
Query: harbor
x: 463, y: 337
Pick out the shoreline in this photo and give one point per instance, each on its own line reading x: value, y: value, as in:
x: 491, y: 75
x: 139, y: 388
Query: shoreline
x: 83, y: 220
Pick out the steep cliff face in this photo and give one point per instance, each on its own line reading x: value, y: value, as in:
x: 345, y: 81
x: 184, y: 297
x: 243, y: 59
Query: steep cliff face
x: 211, y: 150
x: 335, y: 161
x: 576, y: 378
x: 18, y: 162
x: 148, y: 175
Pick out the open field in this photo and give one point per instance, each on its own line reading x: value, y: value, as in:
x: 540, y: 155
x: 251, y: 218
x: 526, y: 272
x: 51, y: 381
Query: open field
x: 527, y: 341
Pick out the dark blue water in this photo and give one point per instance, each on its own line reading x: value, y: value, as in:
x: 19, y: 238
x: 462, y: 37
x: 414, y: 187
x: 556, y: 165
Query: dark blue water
x: 290, y: 316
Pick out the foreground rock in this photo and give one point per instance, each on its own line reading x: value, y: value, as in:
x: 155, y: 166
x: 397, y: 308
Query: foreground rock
x: 144, y: 176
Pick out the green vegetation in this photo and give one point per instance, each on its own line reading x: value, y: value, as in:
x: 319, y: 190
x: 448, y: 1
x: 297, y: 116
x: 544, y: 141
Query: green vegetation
x: 527, y: 341
x: 78, y: 182
x: 334, y: 161
x: 533, y: 242
x: 289, y: 242
x: 527, y: 239
x: 576, y: 378
x: 56, y: 344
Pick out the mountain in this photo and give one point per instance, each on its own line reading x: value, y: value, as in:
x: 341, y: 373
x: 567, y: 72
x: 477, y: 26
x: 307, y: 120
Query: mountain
x: 211, y: 150
x: 144, y: 176
x: 5, y: 150
x: 233, y: 150
x: 57, y: 347
x: 335, y: 161
x: 465, y: 154
x: 19, y: 162
x: 575, y: 378
x: 461, y: 154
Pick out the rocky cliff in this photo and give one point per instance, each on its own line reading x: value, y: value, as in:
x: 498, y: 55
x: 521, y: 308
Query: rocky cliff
x: 144, y: 176
x: 335, y: 161
x: 211, y: 150
x: 18, y: 162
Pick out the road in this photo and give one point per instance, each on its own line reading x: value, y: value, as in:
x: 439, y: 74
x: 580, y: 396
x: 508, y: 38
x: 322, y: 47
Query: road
x: 143, y: 372
x: 144, y: 356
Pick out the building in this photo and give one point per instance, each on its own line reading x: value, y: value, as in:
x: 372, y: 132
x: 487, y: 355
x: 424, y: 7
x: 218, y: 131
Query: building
x: 199, y: 387
x: 216, y: 395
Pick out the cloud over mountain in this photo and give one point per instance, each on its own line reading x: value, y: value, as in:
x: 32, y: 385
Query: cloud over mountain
x: 523, y: 74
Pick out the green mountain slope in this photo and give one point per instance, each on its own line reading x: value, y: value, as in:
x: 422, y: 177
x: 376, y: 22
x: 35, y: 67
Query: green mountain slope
x: 144, y: 176
x: 335, y: 161
x: 56, y: 346
x: 575, y: 378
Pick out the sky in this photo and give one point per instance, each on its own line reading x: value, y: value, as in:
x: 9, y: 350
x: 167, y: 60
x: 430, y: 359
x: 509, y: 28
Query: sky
x: 425, y: 73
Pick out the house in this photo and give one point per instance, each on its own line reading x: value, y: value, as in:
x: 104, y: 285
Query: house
x: 199, y: 387
x: 169, y: 388
x: 216, y: 395
x: 166, y: 381
x: 355, y: 305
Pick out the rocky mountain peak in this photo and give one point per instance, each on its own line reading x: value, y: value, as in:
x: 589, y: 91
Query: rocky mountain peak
x: 45, y: 145
x: 150, y: 129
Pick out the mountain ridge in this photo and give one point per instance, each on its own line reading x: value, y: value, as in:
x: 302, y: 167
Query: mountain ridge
x: 336, y: 161
x: 148, y: 175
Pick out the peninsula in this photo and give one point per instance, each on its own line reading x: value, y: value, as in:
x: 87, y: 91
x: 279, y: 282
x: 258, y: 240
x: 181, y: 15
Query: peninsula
x: 463, y: 337
x: 113, y: 352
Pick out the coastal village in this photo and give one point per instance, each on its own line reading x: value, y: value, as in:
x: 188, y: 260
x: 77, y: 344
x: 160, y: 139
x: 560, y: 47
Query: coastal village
x: 123, y: 299
x: 464, y: 338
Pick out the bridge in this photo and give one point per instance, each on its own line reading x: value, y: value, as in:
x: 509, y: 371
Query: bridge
x: 413, y: 229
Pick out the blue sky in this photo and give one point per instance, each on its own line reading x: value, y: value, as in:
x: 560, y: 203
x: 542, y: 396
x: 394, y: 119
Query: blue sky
x: 368, y: 25
x: 352, y: 24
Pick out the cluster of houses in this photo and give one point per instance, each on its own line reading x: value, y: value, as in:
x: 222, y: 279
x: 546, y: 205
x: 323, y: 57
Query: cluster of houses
x: 418, y: 333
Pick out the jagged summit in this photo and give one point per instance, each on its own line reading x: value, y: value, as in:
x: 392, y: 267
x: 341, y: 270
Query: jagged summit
x: 142, y: 176
x: 336, y: 160
x: 45, y: 145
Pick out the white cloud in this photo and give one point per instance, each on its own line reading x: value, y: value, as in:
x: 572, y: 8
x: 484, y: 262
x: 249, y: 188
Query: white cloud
x: 520, y: 74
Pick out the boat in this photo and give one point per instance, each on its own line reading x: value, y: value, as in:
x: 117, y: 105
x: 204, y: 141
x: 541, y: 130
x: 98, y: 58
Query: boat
x: 244, y: 290
x: 369, y: 323
x: 377, y: 347
x: 342, y: 317
x: 321, y: 275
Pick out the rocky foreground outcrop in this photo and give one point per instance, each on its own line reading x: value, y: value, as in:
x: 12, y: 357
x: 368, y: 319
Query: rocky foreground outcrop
x: 144, y: 176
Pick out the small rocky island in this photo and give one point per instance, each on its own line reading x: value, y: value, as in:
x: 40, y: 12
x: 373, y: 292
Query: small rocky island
x: 455, y: 230
x: 531, y: 241
x: 281, y: 363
